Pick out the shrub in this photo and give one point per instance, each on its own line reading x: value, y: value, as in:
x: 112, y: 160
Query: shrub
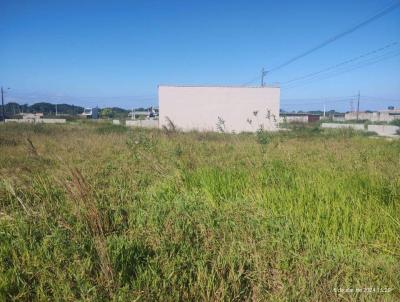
x: 143, y: 215
x: 395, y: 122
x: 109, y: 129
x: 263, y: 136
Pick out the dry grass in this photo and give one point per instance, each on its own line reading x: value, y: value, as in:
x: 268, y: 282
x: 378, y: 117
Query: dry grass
x: 97, y: 212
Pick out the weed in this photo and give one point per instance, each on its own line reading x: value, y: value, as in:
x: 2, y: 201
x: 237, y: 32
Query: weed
x: 106, y: 214
x: 110, y: 129
x: 31, y: 147
x: 170, y: 128
x: 263, y: 137
x: 221, y: 125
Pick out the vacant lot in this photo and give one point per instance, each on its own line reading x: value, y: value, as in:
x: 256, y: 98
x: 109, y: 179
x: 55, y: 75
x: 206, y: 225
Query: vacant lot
x: 96, y: 212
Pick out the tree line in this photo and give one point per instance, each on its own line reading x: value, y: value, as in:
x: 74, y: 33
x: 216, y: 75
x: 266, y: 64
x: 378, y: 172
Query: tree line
x: 13, y: 109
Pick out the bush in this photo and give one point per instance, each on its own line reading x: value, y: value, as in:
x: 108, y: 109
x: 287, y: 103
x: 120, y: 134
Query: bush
x: 109, y: 129
x: 146, y: 215
x: 395, y: 122
x: 263, y: 136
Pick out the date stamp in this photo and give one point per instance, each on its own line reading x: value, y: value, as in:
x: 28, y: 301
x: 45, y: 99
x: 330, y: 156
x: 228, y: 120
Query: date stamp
x: 363, y: 290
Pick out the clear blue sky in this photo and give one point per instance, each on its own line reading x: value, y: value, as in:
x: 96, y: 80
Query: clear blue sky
x: 115, y: 53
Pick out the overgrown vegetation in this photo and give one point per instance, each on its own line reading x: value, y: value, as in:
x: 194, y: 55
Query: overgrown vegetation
x: 93, y: 212
x: 48, y: 109
x: 395, y: 122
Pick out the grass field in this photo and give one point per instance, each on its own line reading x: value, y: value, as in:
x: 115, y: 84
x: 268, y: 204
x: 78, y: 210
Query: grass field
x: 95, y: 212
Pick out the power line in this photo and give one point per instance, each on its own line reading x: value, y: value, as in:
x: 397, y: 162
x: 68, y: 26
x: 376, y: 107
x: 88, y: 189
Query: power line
x: 377, y: 101
x: 253, y: 80
x: 336, y: 100
x: 319, y: 103
x: 320, y: 98
x: 340, y: 35
x: 342, y: 63
x: 381, y: 98
x: 345, y: 69
x: 349, y: 69
x: 323, y: 103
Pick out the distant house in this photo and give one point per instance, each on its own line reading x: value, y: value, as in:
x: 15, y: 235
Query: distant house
x: 92, y: 113
x: 31, y: 117
x: 139, y: 114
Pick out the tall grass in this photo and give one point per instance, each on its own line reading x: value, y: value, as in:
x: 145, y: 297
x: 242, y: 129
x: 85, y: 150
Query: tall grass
x: 97, y: 212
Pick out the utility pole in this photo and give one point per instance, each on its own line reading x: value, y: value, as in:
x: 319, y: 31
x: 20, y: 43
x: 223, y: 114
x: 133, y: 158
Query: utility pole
x: 56, y: 109
x: 324, y: 110
x: 263, y: 74
x: 2, y: 104
x: 358, y: 104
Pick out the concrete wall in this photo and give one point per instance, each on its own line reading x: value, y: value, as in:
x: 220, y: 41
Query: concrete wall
x: 338, y: 118
x: 384, y: 130
x: 12, y: 120
x: 294, y: 119
x: 116, y: 122
x: 210, y: 108
x: 379, y: 116
x: 52, y: 121
x: 37, y: 121
x: 370, y: 116
x: 142, y: 123
x: 389, y: 115
x: 341, y: 126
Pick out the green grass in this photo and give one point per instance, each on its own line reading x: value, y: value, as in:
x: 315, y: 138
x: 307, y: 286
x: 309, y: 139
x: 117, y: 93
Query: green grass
x: 97, y: 212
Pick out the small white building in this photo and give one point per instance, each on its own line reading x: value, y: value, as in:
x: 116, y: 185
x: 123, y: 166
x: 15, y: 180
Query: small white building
x: 219, y: 108
x: 31, y: 117
x: 92, y: 113
x: 143, y: 114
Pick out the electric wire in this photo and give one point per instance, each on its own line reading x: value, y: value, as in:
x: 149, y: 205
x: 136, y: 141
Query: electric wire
x: 342, y: 63
x: 365, y: 22
x: 334, y: 73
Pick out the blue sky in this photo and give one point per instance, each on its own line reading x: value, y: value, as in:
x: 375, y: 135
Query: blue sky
x: 115, y: 53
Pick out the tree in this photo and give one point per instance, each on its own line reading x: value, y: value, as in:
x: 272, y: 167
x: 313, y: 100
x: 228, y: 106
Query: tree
x: 107, y: 113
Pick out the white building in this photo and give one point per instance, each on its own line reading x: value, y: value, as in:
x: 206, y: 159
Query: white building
x: 31, y: 117
x: 219, y: 108
x: 91, y: 113
x: 146, y: 114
